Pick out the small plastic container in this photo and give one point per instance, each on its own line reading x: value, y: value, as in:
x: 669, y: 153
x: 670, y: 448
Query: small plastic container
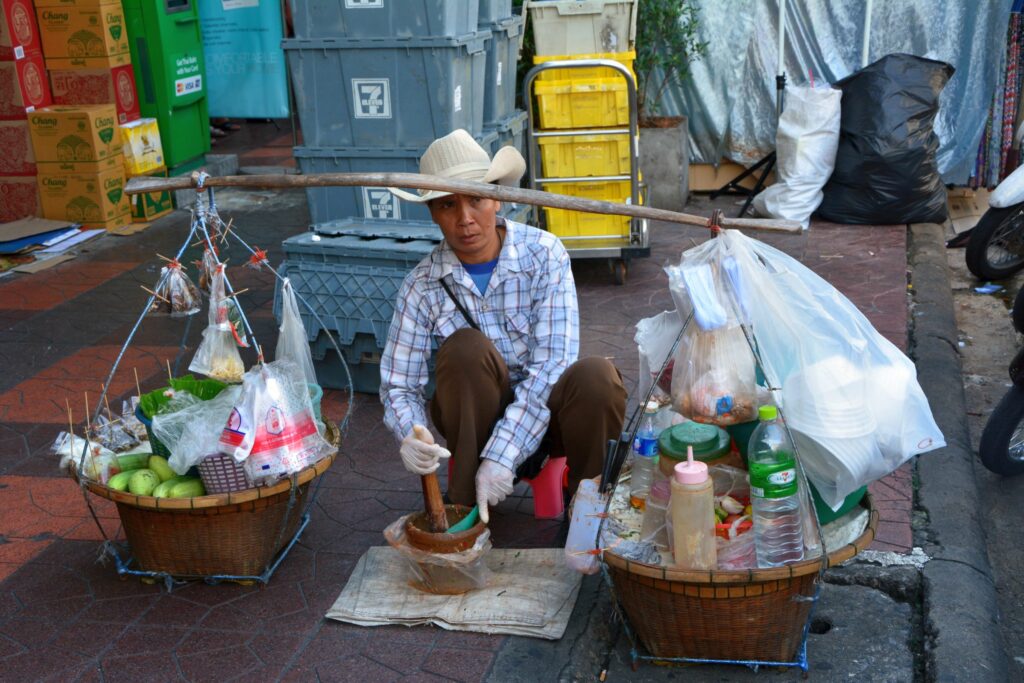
x: 693, y: 516
x: 711, y: 445
x: 654, y: 528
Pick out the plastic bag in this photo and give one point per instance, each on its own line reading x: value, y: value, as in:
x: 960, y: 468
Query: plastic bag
x: 217, y: 355
x: 714, y: 379
x: 99, y: 463
x: 190, y: 427
x: 175, y: 294
x: 844, y: 387
x: 805, y: 150
x: 654, y: 338
x: 271, y: 428
x: 112, y: 435
x: 886, y: 170
x: 735, y: 540
x: 207, y: 268
x: 442, y: 573
x: 581, y: 542
x: 291, y: 339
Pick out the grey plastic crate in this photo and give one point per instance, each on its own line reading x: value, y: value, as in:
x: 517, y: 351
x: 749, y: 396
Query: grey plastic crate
x: 363, y: 360
x: 387, y: 92
x: 508, y: 131
x: 494, y: 10
x: 332, y: 203
x: 502, y: 58
x: 351, y: 278
x: 379, y: 18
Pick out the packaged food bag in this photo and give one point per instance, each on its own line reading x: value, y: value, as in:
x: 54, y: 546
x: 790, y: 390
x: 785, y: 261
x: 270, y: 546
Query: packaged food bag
x: 714, y: 379
x: 291, y: 339
x: 217, y: 355
x: 176, y: 295
x: 271, y: 428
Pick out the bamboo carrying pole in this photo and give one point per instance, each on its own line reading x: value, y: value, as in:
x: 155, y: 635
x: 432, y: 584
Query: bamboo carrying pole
x: 501, y: 193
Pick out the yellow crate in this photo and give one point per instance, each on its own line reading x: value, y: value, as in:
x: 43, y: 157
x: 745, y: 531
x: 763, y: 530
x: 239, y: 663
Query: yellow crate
x: 570, y: 224
x: 584, y: 74
x: 567, y: 104
x: 584, y: 155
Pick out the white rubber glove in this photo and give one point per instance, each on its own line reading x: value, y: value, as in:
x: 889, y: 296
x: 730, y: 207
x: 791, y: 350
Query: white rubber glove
x: 493, y: 484
x: 420, y: 454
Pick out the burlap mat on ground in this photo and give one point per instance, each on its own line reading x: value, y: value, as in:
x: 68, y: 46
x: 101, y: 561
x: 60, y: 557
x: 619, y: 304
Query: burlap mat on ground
x: 530, y: 593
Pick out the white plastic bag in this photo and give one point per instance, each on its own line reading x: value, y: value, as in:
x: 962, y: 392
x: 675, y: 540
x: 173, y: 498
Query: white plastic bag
x: 217, y: 355
x: 191, y: 432
x: 805, y: 147
x: 291, y: 338
x: 850, y: 397
x: 271, y: 429
x: 654, y: 338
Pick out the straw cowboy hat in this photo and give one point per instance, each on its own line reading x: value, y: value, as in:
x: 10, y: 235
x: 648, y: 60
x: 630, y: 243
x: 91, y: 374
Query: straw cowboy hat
x: 457, y: 155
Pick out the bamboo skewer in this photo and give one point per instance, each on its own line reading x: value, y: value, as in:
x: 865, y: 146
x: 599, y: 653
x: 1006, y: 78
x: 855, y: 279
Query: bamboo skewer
x: 427, y: 182
x: 147, y: 289
x: 169, y: 376
x: 106, y: 402
x: 88, y: 420
x: 71, y: 423
x: 138, y: 388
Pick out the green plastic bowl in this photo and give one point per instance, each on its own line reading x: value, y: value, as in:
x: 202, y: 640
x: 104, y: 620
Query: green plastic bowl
x: 316, y: 394
x: 826, y: 514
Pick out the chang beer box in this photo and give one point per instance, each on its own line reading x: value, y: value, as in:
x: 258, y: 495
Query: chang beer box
x: 96, y: 200
x: 80, y: 138
x: 87, y: 34
x: 149, y: 206
x: 143, y: 151
x: 115, y: 85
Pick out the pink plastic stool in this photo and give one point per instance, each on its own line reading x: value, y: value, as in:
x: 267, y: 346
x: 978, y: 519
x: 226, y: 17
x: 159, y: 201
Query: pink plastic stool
x: 547, y: 488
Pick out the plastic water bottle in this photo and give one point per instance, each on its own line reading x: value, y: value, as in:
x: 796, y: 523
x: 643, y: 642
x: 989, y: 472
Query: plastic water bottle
x: 645, y: 451
x: 778, y: 532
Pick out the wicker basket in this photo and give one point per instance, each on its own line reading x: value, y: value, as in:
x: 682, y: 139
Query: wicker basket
x: 222, y: 474
x: 227, y: 534
x: 754, y: 615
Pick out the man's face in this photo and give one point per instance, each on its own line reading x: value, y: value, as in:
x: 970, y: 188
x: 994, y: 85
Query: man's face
x: 469, y: 226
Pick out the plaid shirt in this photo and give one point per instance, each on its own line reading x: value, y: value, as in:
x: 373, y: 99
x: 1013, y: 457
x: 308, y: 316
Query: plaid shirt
x: 529, y: 312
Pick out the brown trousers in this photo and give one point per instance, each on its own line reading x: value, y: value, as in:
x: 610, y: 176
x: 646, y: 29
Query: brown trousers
x: 587, y: 404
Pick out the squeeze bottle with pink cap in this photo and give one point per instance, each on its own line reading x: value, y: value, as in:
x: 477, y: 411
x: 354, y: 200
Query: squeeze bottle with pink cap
x: 693, y: 515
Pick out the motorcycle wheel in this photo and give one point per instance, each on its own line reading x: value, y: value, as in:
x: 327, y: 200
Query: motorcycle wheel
x: 996, y: 247
x: 1002, y: 442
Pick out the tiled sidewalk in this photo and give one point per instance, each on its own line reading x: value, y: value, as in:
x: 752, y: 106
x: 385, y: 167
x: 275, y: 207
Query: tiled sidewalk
x: 63, y: 616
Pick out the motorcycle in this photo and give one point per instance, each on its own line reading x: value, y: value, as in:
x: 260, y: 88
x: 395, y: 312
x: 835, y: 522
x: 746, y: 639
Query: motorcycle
x: 995, y: 247
x: 1002, y: 441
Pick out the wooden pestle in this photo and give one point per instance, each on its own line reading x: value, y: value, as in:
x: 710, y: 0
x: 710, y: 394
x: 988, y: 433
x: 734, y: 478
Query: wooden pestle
x: 432, y: 490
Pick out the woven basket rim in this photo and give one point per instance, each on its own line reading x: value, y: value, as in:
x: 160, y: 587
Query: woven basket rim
x: 216, y: 500
x: 746, y: 576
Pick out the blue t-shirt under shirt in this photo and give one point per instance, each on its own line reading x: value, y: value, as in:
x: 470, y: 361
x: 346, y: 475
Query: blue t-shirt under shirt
x: 481, y: 274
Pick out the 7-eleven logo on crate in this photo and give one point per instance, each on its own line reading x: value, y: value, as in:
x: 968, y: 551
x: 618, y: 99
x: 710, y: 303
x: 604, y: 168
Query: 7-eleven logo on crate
x: 379, y: 203
x: 371, y: 98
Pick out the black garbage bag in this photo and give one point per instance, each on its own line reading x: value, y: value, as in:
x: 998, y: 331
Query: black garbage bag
x: 885, y: 167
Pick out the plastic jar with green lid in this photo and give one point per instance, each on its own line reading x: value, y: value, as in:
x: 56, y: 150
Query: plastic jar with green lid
x: 711, y: 445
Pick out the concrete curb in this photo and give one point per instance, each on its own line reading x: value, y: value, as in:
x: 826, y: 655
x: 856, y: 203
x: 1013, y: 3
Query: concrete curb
x: 960, y: 606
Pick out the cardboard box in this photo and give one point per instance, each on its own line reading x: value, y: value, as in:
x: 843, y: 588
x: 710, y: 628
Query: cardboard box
x: 84, y: 35
x: 82, y: 138
x: 19, y: 197
x: 16, y: 156
x: 19, y: 34
x: 708, y: 178
x: 98, y: 86
x: 23, y: 86
x: 152, y: 205
x: 143, y: 152
x: 96, y: 200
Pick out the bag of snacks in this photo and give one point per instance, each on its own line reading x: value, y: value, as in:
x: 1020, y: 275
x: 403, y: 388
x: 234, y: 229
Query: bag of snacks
x: 217, y: 355
x: 176, y: 295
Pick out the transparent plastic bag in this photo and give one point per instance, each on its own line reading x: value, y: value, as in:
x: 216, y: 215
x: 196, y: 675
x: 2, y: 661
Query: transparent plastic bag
x: 714, y: 380
x: 190, y: 427
x: 176, y: 295
x: 217, y: 355
x: 654, y: 339
x: 112, y: 435
x: 271, y: 428
x: 97, y: 463
x: 442, y: 573
x: 734, y: 540
x: 291, y: 339
x: 207, y: 268
x: 581, y: 542
x: 850, y: 397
